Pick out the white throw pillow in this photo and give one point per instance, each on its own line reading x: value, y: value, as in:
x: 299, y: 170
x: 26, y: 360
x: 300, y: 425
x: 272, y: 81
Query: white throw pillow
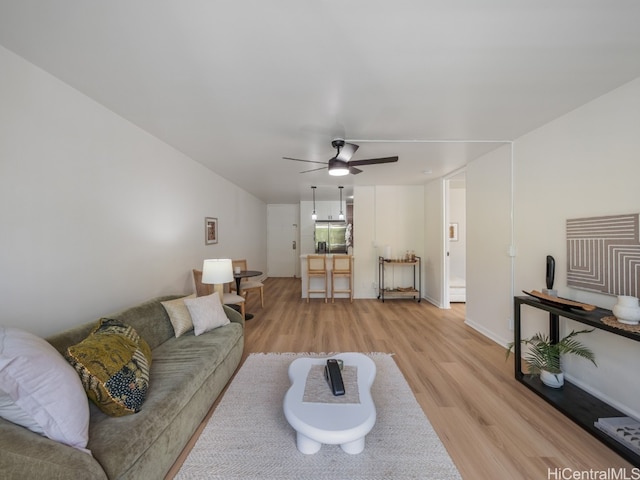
x: 42, y: 391
x: 206, y: 313
x: 9, y: 410
x: 179, y: 315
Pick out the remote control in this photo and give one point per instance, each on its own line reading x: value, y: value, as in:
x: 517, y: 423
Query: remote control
x: 334, y: 377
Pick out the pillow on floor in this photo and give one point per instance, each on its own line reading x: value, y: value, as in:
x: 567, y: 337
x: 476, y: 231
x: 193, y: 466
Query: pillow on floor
x: 113, y: 363
x: 40, y: 391
x: 179, y: 315
x: 206, y: 313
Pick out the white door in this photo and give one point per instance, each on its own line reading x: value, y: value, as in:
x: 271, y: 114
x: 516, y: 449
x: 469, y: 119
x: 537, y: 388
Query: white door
x: 283, y: 252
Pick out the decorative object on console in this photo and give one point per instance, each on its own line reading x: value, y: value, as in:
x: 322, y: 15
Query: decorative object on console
x: 627, y: 310
x: 613, y: 322
x: 560, y: 302
x: 210, y: 230
x: 550, y: 276
x: 217, y: 271
x: 603, y: 254
x: 625, y: 430
x: 543, y: 357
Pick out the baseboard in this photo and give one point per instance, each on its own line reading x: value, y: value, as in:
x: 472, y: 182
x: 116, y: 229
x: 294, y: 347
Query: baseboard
x: 433, y: 301
x: 487, y: 333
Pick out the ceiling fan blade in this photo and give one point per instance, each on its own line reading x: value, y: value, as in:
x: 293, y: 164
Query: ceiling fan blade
x: 347, y: 151
x: 354, y: 170
x: 299, y: 160
x: 374, y: 161
x: 315, y: 169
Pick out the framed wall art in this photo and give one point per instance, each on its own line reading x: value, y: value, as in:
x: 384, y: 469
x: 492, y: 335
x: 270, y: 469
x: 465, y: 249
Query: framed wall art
x: 210, y: 230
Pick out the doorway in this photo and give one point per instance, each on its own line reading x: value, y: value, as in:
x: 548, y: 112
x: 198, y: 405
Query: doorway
x: 454, y: 281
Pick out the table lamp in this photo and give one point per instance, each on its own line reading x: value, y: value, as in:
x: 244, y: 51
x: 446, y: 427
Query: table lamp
x: 217, y: 271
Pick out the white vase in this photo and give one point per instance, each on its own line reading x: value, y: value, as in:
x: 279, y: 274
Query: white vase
x: 553, y: 380
x: 627, y: 310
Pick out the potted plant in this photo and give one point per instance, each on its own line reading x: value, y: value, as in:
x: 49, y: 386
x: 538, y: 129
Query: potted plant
x: 543, y: 356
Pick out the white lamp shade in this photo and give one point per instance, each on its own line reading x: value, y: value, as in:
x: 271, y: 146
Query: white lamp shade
x: 217, y: 271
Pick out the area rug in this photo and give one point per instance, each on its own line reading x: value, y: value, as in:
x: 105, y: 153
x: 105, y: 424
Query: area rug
x: 249, y: 438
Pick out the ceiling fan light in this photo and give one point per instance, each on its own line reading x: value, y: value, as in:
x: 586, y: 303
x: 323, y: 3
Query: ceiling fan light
x: 338, y: 168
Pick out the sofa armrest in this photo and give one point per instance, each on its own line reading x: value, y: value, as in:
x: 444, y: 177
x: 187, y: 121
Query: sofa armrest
x: 233, y: 315
x: 24, y: 454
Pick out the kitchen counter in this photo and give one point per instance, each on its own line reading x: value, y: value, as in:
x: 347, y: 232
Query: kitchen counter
x: 341, y: 282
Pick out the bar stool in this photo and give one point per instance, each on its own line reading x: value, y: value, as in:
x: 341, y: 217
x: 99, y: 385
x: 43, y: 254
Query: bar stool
x: 316, y: 268
x: 342, y: 267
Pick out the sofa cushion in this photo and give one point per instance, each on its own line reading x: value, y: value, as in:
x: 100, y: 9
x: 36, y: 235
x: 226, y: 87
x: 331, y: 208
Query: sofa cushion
x: 113, y: 363
x: 40, y: 390
x: 206, y: 313
x: 179, y: 315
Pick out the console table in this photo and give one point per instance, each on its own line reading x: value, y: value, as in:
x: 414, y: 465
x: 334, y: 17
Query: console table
x: 580, y: 406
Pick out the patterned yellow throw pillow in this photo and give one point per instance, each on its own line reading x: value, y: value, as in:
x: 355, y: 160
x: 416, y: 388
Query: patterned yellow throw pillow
x: 113, y: 363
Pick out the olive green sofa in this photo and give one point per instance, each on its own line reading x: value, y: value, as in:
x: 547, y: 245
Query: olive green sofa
x: 186, y: 376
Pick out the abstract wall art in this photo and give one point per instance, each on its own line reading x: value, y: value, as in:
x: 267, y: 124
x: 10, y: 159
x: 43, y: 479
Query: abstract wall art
x: 603, y: 254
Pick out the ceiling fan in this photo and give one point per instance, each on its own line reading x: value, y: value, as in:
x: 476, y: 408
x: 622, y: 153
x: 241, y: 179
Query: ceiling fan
x: 341, y: 164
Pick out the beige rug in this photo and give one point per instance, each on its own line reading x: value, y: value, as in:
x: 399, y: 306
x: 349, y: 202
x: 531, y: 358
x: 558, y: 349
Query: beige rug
x: 248, y: 436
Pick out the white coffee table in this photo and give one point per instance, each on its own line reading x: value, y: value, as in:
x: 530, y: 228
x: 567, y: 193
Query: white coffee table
x: 344, y: 424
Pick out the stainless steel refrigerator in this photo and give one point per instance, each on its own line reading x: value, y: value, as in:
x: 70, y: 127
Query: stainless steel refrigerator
x: 330, y: 236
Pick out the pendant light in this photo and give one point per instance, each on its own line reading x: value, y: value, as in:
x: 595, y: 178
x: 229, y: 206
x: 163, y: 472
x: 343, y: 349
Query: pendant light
x: 314, y: 216
x: 341, y: 216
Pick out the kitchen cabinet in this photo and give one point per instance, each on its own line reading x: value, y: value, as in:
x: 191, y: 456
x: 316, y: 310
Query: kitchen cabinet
x: 328, y: 210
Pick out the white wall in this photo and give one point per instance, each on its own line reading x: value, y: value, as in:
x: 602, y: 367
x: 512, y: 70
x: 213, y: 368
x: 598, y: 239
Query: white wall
x: 489, y: 272
x: 457, y: 214
x: 365, y: 266
x: 96, y: 214
x: 434, y: 234
x: 586, y: 163
x: 582, y: 164
x: 385, y: 215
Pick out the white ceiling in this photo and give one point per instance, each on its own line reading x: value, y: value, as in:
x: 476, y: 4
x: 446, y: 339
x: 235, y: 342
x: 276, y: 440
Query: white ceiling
x: 238, y: 84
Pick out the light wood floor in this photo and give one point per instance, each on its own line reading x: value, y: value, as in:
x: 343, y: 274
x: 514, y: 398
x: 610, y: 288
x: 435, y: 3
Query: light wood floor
x: 492, y: 426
